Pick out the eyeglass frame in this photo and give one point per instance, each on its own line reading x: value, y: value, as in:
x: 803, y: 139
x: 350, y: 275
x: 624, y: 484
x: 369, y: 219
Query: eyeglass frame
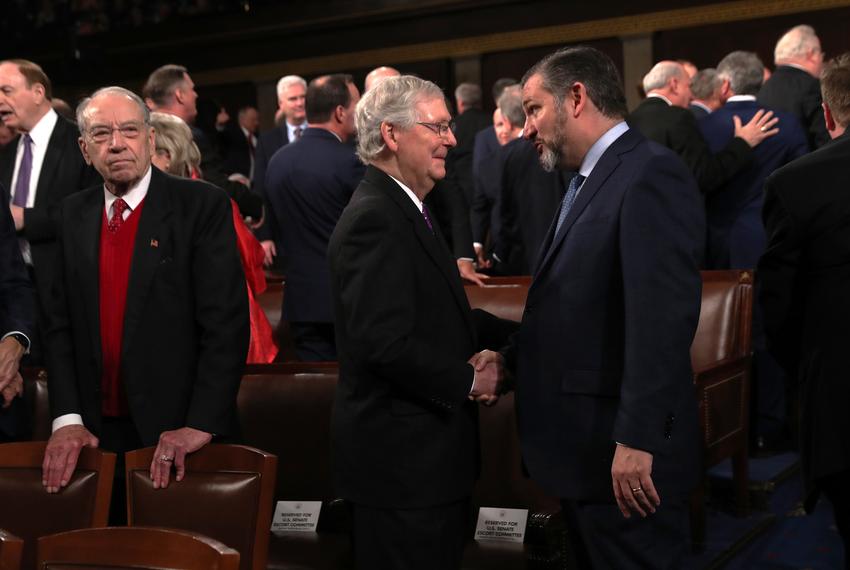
x: 120, y: 128
x: 439, y: 129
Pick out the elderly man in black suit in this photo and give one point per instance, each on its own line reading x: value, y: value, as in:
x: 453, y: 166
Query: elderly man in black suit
x: 148, y: 321
x: 291, y: 122
x: 794, y: 86
x: 804, y: 284
x: 404, y: 424
x: 39, y: 168
x: 664, y: 117
x: 308, y: 185
x: 17, y: 318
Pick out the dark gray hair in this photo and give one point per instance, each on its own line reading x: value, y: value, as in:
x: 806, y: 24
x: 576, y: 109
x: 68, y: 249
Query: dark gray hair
x: 510, y: 104
x: 392, y: 100
x: 589, y: 66
x: 705, y: 83
x: 744, y: 71
x: 82, y: 108
x: 469, y: 94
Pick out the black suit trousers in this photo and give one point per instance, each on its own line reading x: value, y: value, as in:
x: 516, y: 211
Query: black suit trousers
x: 409, y: 539
x: 602, y: 539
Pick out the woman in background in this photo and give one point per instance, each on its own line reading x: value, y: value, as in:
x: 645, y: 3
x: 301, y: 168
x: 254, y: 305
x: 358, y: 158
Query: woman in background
x: 177, y: 154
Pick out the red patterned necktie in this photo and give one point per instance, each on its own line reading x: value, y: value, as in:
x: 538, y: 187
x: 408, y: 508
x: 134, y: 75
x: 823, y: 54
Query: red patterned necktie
x: 117, y: 219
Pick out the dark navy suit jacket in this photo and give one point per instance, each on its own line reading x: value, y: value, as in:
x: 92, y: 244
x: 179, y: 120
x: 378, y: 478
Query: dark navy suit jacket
x: 17, y: 307
x: 268, y: 143
x: 308, y: 185
x: 736, y: 235
x: 603, y: 352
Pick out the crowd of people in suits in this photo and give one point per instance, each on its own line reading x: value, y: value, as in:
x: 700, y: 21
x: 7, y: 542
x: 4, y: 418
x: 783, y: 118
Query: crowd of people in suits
x: 134, y: 246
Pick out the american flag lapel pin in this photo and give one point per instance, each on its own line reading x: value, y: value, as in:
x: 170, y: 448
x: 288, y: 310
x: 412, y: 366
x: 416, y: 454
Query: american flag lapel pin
x: 154, y: 242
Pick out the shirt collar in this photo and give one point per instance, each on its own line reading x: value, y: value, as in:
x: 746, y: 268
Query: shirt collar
x: 40, y: 133
x: 734, y: 98
x: 600, y: 146
x: 701, y: 105
x: 660, y: 96
x: 408, y: 191
x: 290, y: 129
x: 134, y: 195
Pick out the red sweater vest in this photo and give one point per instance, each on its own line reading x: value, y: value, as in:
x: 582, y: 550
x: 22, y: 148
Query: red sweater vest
x: 116, y: 256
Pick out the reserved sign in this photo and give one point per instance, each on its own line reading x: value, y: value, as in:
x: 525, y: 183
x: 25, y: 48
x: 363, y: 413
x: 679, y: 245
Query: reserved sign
x: 507, y: 525
x: 297, y: 516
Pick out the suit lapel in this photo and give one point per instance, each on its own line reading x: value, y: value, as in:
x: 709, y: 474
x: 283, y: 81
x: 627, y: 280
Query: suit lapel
x: 608, y: 163
x: 10, y: 154
x: 146, y: 256
x: 87, y: 234
x: 52, y: 159
x: 433, y: 243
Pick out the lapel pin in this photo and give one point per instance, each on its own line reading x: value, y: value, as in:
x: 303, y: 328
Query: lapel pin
x: 154, y: 243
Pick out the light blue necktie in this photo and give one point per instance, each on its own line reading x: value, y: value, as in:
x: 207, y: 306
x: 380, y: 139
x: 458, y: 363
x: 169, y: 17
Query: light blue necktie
x: 567, y: 203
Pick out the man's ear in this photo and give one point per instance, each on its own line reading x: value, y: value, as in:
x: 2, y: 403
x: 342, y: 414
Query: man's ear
x: 178, y: 95
x: 576, y: 98
x: 84, y: 149
x: 828, y: 118
x: 388, y: 133
x: 339, y: 114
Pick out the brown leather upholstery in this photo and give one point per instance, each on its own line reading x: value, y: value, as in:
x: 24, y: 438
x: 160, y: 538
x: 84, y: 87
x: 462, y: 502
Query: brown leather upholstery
x: 502, y: 296
x: 721, y: 358
x: 35, y: 397
x: 28, y: 511
x: 11, y: 550
x: 227, y: 494
x: 286, y: 409
x: 137, y: 548
x: 502, y: 483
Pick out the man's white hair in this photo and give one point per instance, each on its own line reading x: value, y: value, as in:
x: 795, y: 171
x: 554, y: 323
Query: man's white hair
x: 661, y: 73
x: 392, y: 100
x: 288, y: 81
x: 796, y: 42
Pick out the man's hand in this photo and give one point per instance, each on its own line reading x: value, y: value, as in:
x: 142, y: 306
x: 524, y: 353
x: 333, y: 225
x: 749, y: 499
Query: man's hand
x: 269, y: 252
x: 60, y: 456
x: 633, y: 487
x: 13, y: 389
x: 760, y: 127
x: 18, y: 216
x: 489, y: 376
x: 172, y: 448
x: 467, y: 271
x: 11, y: 353
x: 483, y: 263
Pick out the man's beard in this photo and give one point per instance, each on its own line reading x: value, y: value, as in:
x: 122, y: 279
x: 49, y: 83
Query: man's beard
x: 552, y: 156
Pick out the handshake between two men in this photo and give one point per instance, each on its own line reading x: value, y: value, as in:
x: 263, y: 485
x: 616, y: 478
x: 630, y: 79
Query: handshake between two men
x: 489, y: 377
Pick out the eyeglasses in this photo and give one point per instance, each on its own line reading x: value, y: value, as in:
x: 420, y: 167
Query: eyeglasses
x: 440, y: 129
x: 102, y: 134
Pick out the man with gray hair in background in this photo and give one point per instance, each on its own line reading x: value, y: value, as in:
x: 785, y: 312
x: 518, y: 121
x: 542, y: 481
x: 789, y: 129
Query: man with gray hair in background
x: 736, y: 236
x: 405, y: 424
x: 290, y: 121
x: 707, y: 92
x: 795, y: 84
x: 470, y: 120
x: 663, y: 117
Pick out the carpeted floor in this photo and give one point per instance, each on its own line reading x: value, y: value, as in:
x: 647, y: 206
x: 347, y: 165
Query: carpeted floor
x: 776, y: 535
